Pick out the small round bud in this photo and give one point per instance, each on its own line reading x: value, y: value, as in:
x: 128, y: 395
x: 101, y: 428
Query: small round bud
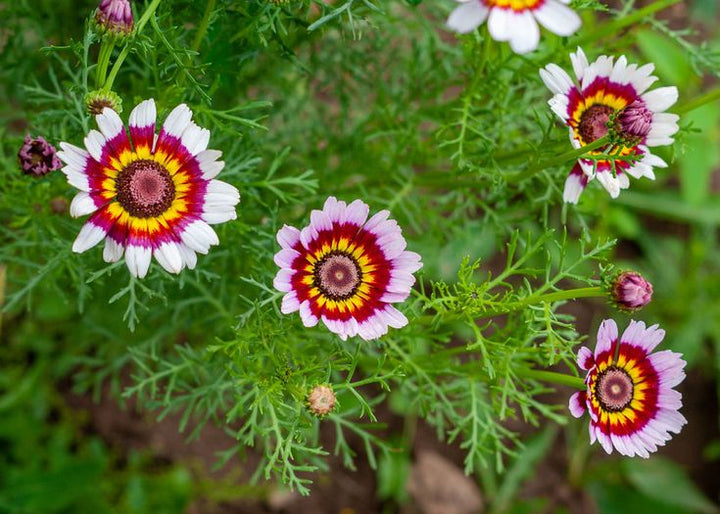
x: 634, y: 122
x: 96, y: 101
x: 115, y: 17
x: 59, y: 205
x: 631, y: 291
x: 321, y: 400
x: 37, y: 157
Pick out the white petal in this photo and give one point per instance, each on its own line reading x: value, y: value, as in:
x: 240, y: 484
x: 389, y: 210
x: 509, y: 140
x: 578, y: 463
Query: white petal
x: 178, y: 120
x: 138, y: 259
x: 661, y: 98
x: 144, y: 114
x: 90, y: 235
x: 82, y: 204
x: 95, y: 142
x: 109, y: 123
x: 199, y: 236
x: 113, y: 251
x: 168, y: 255
x: 500, y: 24
x: 525, y: 33
x: 467, y: 17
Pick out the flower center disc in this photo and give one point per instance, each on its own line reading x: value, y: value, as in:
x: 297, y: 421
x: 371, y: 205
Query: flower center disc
x: 593, y: 123
x: 145, y: 189
x: 337, y: 276
x: 614, y: 389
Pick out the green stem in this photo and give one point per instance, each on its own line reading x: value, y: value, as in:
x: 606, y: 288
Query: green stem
x: 568, y: 156
x: 710, y: 96
x: 632, y: 18
x: 126, y: 49
x: 202, y: 30
x: 535, y: 299
x: 553, y: 377
x: 106, y: 48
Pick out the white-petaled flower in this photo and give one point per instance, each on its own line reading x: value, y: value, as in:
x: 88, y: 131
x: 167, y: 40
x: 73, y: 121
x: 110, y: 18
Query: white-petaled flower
x: 515, y: 21
x: 346, y: 270
x: 149, y: 195
x: 630, y: 393
x: 611, y: 96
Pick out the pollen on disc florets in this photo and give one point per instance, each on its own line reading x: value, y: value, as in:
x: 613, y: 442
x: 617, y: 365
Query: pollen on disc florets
x: 338, y: 275
x: 145, y: 189
x: 321, y: 400
x: 614, y: 389
x: 594, y: 123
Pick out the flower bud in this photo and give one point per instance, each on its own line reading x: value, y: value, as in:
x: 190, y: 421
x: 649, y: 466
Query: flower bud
x: 37, y: 157
x: 321, y: 400
x: 96, y: 101
x: 631, y: 291
x: 634, y: 122
x: 115, y: 17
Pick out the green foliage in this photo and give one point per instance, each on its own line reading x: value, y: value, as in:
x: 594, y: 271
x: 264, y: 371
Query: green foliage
x: 357, y: 99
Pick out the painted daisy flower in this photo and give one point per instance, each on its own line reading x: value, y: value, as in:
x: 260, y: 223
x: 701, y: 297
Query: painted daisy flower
x: 630, y: 397
x: 515, y: 21
x: 346, y: 270
x: 148, y: 195
x: 611, y: 97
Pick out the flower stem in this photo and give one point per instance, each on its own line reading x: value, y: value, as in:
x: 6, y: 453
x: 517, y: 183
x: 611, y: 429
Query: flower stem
x: 571, y: 155
x: 534, y: 299
x: 106, y: 48
x: 126, y: 49
x: 553, y: 377
x: 202, y: 30
x: 691, y: 105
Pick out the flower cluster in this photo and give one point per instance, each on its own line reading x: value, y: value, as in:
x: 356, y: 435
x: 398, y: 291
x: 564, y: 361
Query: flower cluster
x: 154, y: 194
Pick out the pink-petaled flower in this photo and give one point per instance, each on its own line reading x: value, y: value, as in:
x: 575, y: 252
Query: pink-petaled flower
x: 115, y: 16
x: 611, y: 97
x: 37, y: 157
x: 515, y: 21
x: 631, y: 291
x: 630, y: 397
x: 148, y: 195
x: 346, y: 270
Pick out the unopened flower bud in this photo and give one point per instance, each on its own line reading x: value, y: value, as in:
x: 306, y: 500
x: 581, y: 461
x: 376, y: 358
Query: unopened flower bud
x: 634, y: 122
x: 96, y: 101
x: 631, y: 291
x: 321, y: 400
x: 37, y: 157
x: 115, y: 17
x: 59, y: 205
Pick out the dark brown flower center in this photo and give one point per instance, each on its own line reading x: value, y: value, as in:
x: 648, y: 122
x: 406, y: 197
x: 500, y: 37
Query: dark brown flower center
x: 614, y: 389
x: 145, y: 189
x: 593, y: 123
x: 337, y: 276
